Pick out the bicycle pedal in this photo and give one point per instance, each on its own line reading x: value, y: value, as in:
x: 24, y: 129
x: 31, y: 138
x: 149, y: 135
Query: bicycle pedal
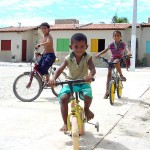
x: 70, y: 135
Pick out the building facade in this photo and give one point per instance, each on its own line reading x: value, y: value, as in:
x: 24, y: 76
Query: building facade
x: 99, y: 36
x: 17, y: 43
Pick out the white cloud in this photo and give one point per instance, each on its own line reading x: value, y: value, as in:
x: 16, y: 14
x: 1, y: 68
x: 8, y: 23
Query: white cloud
x: 97, y: 5
x: 8, y: 3
x: 33, y: 12
x: 24, y: 21
x: 38, y: 3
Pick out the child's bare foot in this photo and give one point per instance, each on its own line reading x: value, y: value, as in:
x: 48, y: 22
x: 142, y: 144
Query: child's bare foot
x: 89, y: 115
x: 64, y: 128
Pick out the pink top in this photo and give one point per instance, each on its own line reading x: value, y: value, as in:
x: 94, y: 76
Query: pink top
x: 117, y: 50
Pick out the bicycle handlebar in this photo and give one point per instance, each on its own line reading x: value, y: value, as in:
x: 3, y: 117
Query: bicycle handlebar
x: 72, y: 81
x: 106, y: 60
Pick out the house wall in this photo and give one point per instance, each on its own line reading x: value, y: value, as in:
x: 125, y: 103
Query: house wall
x: 16, y: 45
x: 142, y: 36
x: 145, y: 36
x: 32, y: 37
x: 91, y: 34
x: 15, y: 50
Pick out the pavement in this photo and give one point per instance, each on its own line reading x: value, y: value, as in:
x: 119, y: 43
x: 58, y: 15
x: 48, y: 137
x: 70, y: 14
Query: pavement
x: 35, y: 125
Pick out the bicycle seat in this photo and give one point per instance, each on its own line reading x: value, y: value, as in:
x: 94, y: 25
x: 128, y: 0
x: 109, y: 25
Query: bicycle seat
x: 110, y: 64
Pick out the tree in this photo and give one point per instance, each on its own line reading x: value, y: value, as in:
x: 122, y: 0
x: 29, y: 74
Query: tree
x: 117, y: 19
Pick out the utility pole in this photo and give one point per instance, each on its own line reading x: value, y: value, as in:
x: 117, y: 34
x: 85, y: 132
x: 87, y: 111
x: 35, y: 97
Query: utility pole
x: 133, y: 36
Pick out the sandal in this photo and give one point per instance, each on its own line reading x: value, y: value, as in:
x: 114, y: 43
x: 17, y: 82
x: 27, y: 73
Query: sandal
x: 123, y: 78
x: 106, y: 95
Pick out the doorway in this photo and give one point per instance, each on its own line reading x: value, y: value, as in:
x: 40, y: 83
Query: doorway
x: 24, y: 50
x: 101, y: 45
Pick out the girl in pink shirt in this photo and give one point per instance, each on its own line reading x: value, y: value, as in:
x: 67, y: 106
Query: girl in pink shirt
x: 117, y: 48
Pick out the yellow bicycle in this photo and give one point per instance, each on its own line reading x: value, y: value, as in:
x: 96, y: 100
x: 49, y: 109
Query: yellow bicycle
x: 115, y: 83
x: 76, y: 118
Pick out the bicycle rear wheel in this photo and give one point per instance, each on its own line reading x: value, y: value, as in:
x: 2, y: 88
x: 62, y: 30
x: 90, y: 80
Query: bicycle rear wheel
x: 111, y: 92
x: 119, y: 88
x: 24, y: 92
x: 75, y: 133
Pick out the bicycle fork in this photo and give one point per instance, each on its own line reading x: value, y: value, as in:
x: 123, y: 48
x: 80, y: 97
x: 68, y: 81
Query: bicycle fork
x: 31, y: 79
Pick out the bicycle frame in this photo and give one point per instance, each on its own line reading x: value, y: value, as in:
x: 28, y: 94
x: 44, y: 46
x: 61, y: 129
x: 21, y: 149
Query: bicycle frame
x: 75, y: 108
x: 35, y: 71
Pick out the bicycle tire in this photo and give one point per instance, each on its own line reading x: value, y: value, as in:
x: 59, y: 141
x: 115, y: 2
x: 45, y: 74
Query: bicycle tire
x: 111, y: 92
x: 82, y: 117
x: 75, y: 133
x: 119, y: 88
x: 26, y: 99
x: 53, y: 89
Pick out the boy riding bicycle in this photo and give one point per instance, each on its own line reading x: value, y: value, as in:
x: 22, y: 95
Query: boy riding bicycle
x: 48, y: 56
x: 78, y: 63
x: 117, y: 48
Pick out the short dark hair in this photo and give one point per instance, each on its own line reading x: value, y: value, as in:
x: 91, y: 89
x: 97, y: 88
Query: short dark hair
x: 45, y: 24
x: 116, y: 31
x: 78, y: 37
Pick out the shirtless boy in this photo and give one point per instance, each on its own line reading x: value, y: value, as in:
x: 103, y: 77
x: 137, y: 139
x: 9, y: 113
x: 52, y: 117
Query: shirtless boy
x: 48, y: 55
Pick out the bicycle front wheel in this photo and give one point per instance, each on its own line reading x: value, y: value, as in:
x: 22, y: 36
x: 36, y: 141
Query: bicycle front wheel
x: 82, y: 116
x: 111, y: 92
x: 75, y: 133
x: 25, y: 92
x: 119, y: 88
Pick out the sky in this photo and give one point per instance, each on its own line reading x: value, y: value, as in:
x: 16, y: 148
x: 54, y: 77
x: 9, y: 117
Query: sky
x: 33, y: 12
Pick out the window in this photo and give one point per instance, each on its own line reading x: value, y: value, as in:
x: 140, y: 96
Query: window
x: 94, y: 45
x: 97, y: 45
x: 101, y: 44
x: 6, y: 45
x: 62, y: 45
x: 147, y: 47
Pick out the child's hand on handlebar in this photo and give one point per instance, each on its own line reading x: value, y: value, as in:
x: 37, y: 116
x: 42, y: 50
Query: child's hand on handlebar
x: 37, y: 46
x: 97, y: 55
x: 52, y: 82
x: 37, y: 54
x: 88, y: 78
x: 129, y: 54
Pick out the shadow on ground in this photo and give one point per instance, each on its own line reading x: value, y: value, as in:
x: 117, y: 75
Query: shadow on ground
x: 91, y: 141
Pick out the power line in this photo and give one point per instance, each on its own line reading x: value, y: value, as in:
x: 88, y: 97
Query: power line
x: 118, y: 7
x: 115, y: 14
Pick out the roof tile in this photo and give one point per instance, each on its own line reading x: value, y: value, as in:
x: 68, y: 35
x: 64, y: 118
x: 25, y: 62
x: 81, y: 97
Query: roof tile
x: 17, y: 29
x: 90, y: 26
x: 117, y: 26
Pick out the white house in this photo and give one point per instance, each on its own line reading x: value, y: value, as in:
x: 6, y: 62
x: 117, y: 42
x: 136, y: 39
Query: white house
x: 17, y: 43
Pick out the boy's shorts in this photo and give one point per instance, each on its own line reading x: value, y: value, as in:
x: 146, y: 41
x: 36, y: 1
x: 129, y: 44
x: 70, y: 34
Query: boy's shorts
x: 46, y: 62
x: 80, y: 88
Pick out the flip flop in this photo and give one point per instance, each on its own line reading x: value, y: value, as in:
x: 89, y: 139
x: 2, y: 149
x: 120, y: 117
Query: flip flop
x: 123, y: 78
x: 106, y: 95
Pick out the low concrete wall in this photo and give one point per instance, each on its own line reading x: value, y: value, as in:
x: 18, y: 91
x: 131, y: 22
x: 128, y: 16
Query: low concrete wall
x: 5, y: 56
